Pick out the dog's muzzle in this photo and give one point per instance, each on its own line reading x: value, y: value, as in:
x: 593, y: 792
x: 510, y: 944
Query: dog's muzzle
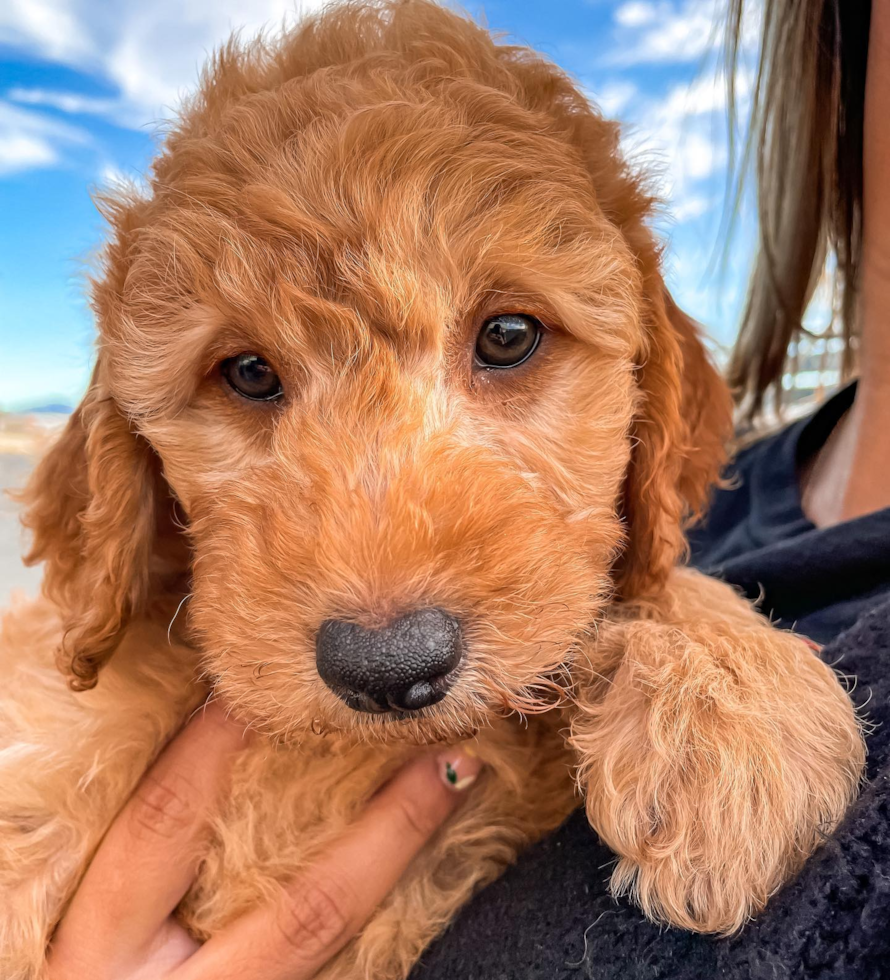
x: 405, y: 666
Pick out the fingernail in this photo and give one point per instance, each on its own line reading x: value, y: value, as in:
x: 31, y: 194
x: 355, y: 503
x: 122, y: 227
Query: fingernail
x: 459, y: 767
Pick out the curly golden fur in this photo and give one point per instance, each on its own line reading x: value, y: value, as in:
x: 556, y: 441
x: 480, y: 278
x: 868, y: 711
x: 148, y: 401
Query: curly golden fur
x: 353, y: 199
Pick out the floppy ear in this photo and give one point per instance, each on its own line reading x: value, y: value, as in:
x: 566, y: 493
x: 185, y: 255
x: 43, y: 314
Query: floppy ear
x: 680, y: 434
x: 92, y: 508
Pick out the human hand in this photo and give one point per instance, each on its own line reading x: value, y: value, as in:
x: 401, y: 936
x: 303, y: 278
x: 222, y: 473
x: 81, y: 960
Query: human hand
x: 120, y: 923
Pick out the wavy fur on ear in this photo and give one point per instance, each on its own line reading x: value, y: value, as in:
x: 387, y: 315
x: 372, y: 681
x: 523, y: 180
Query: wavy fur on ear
x: 92, y: 508
x: 681, y: 430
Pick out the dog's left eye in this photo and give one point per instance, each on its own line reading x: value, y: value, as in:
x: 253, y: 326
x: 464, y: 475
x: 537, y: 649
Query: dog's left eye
x: 508, y: 339
x: 252, y: 376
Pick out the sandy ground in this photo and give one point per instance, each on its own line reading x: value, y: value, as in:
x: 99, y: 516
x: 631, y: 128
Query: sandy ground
x: 21, y: 439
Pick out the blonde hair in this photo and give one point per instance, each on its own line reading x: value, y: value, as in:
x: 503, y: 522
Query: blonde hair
x: 805, y: 145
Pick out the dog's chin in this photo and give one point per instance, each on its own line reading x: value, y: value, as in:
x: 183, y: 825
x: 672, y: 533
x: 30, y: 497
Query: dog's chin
x: 435, y: 725
x: 458, y: 716
x: 449, y: 721
x: 394, y: 728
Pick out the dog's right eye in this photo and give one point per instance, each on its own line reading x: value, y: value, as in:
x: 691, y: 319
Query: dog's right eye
x: 252, y: 376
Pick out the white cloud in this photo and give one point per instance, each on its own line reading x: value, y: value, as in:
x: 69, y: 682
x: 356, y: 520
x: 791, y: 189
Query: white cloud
x: 613, y: 97
x: 676, y: 31
x: 51, y: 27
x: 691, y: 206
x: 19, y: 151
x: 689, y: 144
x: 112, y: 177
x: 707, y: 93
x: 685, y: 134
x: 635, y: 13
x: 150, y: 52
x: 681, y: 152
x: 29, y: 140
x: 70, y: 102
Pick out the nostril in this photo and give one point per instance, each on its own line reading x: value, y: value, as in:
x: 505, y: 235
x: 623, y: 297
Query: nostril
x: 407, y: 665
x: 422, y: 694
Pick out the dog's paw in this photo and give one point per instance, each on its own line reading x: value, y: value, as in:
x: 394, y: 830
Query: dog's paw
x: 713, y: 765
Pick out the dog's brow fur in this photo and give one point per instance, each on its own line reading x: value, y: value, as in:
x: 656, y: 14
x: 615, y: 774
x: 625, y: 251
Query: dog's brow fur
x: 352, y: 199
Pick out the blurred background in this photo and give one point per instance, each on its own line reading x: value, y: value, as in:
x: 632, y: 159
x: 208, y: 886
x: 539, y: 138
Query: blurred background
x: 85, y: 87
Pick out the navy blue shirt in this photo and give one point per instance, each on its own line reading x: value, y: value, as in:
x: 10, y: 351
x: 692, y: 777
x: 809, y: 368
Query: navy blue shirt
x: 550, y: 917
x: 818, y: 582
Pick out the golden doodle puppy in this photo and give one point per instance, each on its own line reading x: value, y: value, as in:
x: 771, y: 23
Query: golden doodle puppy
x: 390, y: 390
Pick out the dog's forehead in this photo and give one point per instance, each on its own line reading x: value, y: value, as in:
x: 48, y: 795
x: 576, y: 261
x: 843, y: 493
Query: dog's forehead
x: 339, y: 212
x: 347, y: 171
x: 341, y: 143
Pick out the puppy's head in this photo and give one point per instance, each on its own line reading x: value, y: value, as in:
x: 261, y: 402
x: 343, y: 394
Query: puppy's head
x: 388, y: 339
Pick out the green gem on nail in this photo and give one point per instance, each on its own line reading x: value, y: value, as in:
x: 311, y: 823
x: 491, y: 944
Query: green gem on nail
x: 451, y: 774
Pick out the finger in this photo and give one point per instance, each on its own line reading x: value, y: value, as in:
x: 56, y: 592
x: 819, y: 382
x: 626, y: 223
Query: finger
x: 329, y: 903
x: 149, y: 856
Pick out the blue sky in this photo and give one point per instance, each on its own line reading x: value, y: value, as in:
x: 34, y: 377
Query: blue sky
x: 85, y: 83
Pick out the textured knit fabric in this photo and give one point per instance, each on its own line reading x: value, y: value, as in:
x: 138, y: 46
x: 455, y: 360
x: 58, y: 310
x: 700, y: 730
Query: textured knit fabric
x: 551, y: 916
x: 818, y: 582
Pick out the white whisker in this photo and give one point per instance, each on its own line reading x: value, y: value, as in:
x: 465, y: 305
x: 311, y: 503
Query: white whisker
x: 173, y: 620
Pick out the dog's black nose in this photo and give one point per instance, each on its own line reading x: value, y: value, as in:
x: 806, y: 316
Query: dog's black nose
x: 404, y: 666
